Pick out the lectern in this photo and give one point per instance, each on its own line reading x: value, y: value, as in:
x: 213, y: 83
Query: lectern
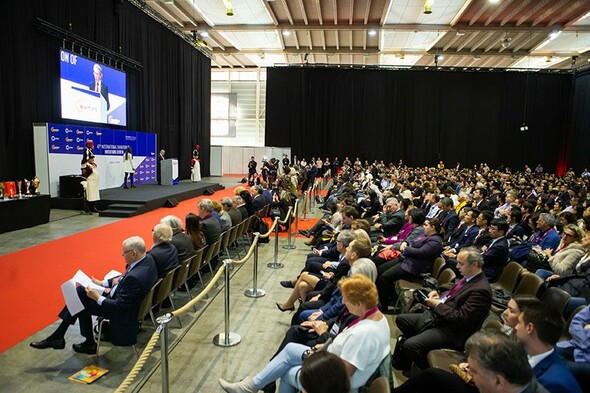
x: 169, y: 171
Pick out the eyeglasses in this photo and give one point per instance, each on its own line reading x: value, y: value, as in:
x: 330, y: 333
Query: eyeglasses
x: 568, y: 234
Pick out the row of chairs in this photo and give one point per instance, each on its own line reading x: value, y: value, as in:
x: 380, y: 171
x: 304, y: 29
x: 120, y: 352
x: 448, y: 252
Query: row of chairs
x: 178, y: 277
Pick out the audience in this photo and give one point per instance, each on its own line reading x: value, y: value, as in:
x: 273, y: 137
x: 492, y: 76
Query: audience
x: 163, y: 252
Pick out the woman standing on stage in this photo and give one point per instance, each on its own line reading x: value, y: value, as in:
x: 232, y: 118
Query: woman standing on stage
x: 90, y: 172
x: 128, y: 166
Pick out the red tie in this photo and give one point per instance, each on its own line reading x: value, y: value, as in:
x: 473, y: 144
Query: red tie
x: 455, y: 288
x: 96, y: 87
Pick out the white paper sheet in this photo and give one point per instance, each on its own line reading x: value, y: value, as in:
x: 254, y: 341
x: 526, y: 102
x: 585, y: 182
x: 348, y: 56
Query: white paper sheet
x: 68, y: 289
x: 82, y: 278
x: 112, y: 274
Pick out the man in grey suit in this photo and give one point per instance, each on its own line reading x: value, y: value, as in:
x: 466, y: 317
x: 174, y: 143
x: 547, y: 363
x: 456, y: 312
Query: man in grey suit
x: 211, y: 225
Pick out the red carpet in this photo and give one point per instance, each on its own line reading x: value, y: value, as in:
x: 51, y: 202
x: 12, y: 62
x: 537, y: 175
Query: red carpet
x: 31, y: 278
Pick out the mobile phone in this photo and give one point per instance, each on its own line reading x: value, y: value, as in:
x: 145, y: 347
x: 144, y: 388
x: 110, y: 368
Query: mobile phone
x: 421, y: 295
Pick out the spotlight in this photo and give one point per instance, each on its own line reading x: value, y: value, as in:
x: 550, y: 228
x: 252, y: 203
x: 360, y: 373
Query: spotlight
x: 402, y: 56
x: 372, y: 32
x: 460, y: 33
x: 548, y: 59
x: 428, y: 7
x: 524, y: 127
x: 229, y: 9
x: 286, y: 33
x: 506, y: 41
x: 553, y: 35
x: 204, y: 34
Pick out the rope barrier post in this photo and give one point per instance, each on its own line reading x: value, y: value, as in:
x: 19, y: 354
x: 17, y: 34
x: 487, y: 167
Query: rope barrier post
x: 163, y: 330
x: 305, y: 205
x: 289, y: 245
x: 296, y: 232
x: 275, y: 264
x: 254, y: 291
x: 227, y: 338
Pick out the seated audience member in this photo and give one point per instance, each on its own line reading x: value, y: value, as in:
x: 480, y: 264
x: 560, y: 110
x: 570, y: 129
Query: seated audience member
x: 496, y: 364
x: 309, y: 280
x: 361, y: 346
x: 495, y: 253
x: 180, y: 240
x: 569, y: 252
x: 258, y: 202
x: 479, y: 200
x: 576, y: 352
x: 241, y: 206
x: 234, y: 214
x: 120, y: 303
x: 247, y: 198
x: 457, y: 314
x: 194, y: 229
x: 328, y: 257
x: 224, y: 218
x: 410, y: 230
x: 514, y: 227
x: 209, y: 224
x: 163, y: 252
x: 266, y: 193
x: 391, y: 221
x: 416, y: 257
x: 448, y: 218
x: 324, y: 373
x: 483, y: 237
x: 539, y: 328
x: 330, y: 221
x: 464, y: 234
x: 546, y: 237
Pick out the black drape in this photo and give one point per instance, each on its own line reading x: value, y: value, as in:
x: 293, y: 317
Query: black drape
x: 170, y: 95
x: 580, y: 140
x: 419, y: 116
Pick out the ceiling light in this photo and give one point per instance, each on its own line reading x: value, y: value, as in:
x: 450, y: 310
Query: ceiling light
x: 286, y: 33
x: 460, y: 33
x: 402, y: 56
x: 524, y: 127
x: 428, y: 7
x: 229, y: 9
x: 553, y: 35
x: 372, y: 32
x: 204, y: 34
x: 506, y: 42
x: 548, y: 59
x: 494, y: 1
x: 476, y: 57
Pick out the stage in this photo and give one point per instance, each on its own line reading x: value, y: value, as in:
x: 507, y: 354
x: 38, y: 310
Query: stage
x: 120, y: 202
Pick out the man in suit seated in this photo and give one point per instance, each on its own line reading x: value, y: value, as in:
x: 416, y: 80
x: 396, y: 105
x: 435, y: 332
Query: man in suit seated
x: 119, y: 303
x: 234, y: 214
x: 163, y: 252
x: 449, y: 220
x: 458, y: 313
x: 495, y: 253
x: 210, y: 225
x: 514, y: 227
x: 180, y: 240
x: 539, y: 328
x: 258, y: 201
x: 390, y: 222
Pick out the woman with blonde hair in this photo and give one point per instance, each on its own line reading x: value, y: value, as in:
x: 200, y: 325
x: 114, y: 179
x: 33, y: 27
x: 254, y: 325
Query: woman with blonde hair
x: 362, y: 345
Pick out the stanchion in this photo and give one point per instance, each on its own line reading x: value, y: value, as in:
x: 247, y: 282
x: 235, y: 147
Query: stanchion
x: 227, y: 338
x: 163, y: 330
x: 305, y: 206
x: 275, y: 264
x: 254, y: 291
x: 289, y: 245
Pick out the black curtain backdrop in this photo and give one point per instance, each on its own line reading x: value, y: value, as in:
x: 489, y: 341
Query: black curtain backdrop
x: 169, y: 96
x: 580, y: 141
x: 420, y: 116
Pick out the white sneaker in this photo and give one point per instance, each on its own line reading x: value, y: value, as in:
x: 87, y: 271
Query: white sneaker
x: 244, y: 386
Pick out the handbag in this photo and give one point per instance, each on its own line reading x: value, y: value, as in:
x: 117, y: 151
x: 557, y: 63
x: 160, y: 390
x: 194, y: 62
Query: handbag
x: 426, y: 320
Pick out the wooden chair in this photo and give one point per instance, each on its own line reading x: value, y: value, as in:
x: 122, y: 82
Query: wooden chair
x: 509, y: 277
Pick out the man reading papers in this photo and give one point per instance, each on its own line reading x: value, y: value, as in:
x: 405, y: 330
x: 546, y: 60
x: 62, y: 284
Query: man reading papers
x: 119, y: 303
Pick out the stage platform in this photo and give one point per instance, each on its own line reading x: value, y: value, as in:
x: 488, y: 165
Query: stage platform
x: 120, y: 202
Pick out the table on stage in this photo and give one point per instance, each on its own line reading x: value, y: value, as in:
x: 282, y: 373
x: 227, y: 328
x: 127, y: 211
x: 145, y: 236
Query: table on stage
x: 24, y: 213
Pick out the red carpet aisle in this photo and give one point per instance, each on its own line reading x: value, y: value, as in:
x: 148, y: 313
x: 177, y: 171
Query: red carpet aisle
x: 31, y: 278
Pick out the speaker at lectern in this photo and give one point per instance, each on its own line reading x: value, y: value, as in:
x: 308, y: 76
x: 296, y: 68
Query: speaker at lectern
x: 169, y: 171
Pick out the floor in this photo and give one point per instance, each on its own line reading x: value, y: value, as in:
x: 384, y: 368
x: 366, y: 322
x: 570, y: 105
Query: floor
x: 194, y: 362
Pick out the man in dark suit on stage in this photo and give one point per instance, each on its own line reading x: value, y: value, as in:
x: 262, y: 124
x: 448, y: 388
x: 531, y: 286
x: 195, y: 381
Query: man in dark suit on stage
x: 210, y: 225
x: 163, y: 252
x: 119, y: 303
x: 539, y: 328
x: 458, y: 313
x: 98, y: 86
x: 160, y: 158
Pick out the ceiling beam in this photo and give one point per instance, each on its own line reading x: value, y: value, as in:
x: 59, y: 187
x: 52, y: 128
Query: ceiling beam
x: 337, y: 40
x: 479, y: 13
x: 392, y: 27
x: 481, y: 41
x: 351, y: 10
x: 302, y: 6
x: 270, y: 12
x: 319, y: 7
x: 335, y: 7
x: 367, y: 11
x: 549, y: 11
x: 286, y: 7
x: 566, y: 13
x: 540, y: 4
x: 515, y: 11
x: 499, y: 9
x: 467, y: 41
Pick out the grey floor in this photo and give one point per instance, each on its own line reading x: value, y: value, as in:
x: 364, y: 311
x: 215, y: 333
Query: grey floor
x: 195, y: 363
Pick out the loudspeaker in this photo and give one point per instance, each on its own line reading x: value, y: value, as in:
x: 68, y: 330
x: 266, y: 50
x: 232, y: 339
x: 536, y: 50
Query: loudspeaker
x: 171, y: 202
x: 209, y: 191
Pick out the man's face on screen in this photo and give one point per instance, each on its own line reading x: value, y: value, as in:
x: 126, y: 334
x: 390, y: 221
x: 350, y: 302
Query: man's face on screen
x: 97, y: 76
